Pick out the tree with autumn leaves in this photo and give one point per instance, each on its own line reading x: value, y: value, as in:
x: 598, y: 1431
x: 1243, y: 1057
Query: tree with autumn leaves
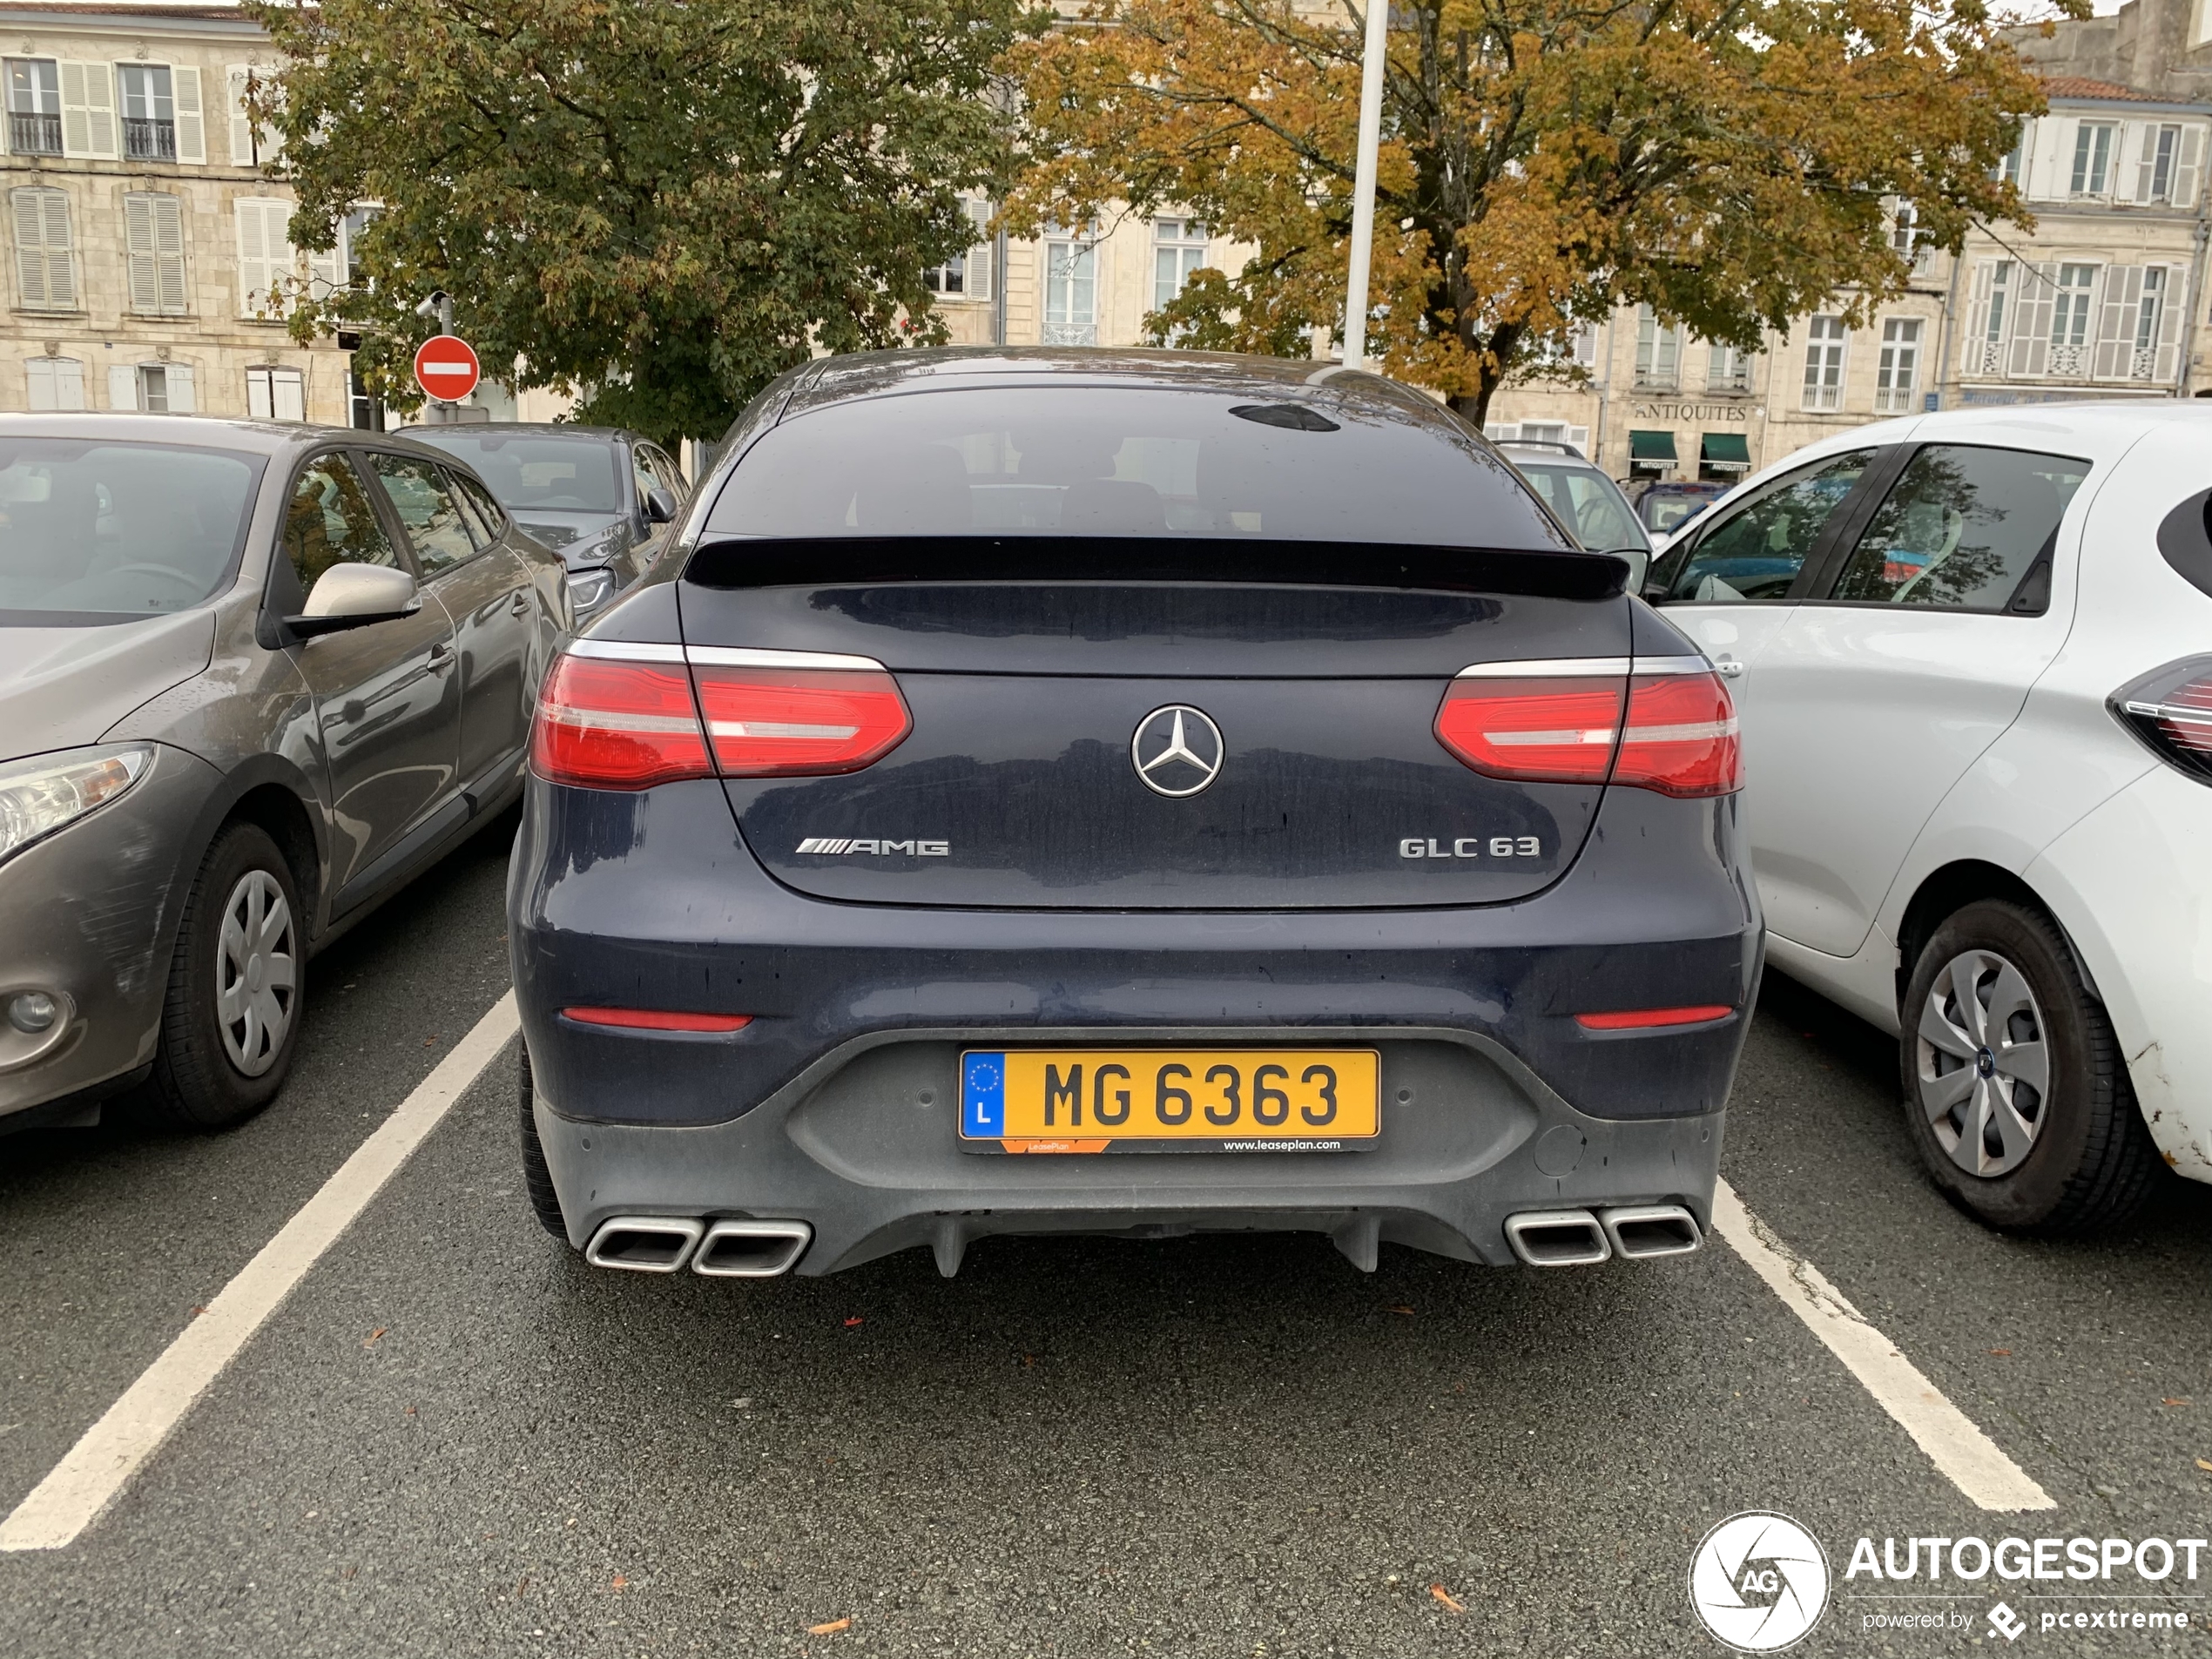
x: 1733, y: 163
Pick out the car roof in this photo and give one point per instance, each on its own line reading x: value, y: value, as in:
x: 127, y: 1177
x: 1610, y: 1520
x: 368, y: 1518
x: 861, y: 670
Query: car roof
x: 279, y: 439
x: 1565, y: 454
x: 864, y: 375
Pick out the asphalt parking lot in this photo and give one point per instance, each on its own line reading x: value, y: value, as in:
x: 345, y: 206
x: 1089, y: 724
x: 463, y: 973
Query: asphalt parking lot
x: 453, y: 1437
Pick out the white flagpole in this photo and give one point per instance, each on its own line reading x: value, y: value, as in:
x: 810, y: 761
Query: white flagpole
x: 1363, y: 185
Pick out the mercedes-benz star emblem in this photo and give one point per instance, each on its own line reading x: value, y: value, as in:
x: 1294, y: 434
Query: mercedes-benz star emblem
x: 1176, y: 751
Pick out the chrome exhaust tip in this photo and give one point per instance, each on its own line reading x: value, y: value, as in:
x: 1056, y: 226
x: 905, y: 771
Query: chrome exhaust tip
x: 645, y: 1244
x: 1641, y: 1232
x: 1557, y: 1238
x: 752, y: 1249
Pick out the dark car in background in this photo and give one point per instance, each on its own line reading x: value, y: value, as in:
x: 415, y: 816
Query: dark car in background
x: 1585, y: 500
x: 1125, y: 793
x: 1666, y: 504
x: 252, y: 678
x: 602, y: 497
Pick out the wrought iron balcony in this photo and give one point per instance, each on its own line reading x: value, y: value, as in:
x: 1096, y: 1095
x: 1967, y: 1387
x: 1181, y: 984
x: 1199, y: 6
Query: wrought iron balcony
x: 148, y: 140
x: 34, y: 135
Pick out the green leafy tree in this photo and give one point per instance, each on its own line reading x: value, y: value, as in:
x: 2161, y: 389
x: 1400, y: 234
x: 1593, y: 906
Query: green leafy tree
x: 1733, y: 163
x: 657, y: 203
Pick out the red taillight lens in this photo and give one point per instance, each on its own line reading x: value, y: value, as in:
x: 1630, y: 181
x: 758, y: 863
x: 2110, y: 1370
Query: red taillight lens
x: 1653, y: 1019
x: 658, y: 1019
x: 772, y: 723
x: 2171, y: 710
x: 1681, y: 737
x: 1548, y: 731
x: 617, y: 725
x: 605, y: 723
x: 1678, y: 735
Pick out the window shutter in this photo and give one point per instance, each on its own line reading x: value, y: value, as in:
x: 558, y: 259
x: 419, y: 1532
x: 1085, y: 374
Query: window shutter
x: 288, y: 395
x: 138, y: 257
x: 1580, y: 437
x: 2123, y: 296
x: 2051, y: 162
x: 328, y: 269
x: 264, y: 256
x: 168, y: 254
x: 257, y: 394
x: 180, y: 388
x: 2166, y: 366
x: 61, y: 261
x: 980, y: 273
x: 241, y: 128
x: 32, y: 266
x: 88, y: 110
x: 2188, y: 165
x: 40, y: 373
x: 1970, y: 350
x: 68, y: 382
x: 122, y: 387
x: 2029, y: 352
x: 191, y: 127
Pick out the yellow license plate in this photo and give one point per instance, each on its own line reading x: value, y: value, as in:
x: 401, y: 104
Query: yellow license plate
x: 1169, y: 1100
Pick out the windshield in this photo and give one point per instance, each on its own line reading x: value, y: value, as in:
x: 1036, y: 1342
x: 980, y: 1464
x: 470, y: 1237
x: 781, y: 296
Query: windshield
x: 107, y: 531
x: 1589, y: 502
x: 548, y: 471
x: 1097, y: 461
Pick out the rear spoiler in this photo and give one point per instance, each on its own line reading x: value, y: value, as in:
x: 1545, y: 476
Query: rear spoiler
x: 763, y: 562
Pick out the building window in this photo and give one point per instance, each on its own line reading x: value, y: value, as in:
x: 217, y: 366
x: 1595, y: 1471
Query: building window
x: 1728, y: 369
x: 1658, y: 353
x: 158, y: 388
x: 266, y: 266
x: 966, y: 276
x: 148, y: 112
x: 1178, y: 248
x: 2070, y: 319
x: 273, y: 393
x: 2008, y: 170
x: 45, y: 267
x: 2154, y: 175
x: 1824, y: 363
x: 1896, y: 377
x: 364, y: 413
x: 56, y: 383
x: 34, y: 106
x: 1070, y: 288
x: 2092, y: 158
x: 153, y: 236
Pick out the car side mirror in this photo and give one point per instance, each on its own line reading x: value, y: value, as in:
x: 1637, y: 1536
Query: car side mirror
x: 660, y: 507
x: 352, y: 595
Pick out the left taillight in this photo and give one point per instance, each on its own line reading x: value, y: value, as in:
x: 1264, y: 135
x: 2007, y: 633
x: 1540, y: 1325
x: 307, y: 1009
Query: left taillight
x: 612, y: 723
x: 1672, y: 732
x: 2171, y: 711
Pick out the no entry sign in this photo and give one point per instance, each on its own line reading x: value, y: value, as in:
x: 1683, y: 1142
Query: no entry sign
x: 446, y: 368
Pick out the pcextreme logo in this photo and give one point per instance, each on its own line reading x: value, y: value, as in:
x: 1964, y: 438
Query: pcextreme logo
x: 1759, y: 1582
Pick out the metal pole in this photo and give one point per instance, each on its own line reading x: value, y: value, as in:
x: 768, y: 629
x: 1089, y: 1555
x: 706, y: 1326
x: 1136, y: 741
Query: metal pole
x: 1363, y: 184
x: 441, y: 412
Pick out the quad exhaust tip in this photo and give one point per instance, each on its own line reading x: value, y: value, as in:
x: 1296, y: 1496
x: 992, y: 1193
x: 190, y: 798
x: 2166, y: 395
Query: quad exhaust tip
x: 645, y: 1244
x: 1582, y: 1238
x: 752, y: 1249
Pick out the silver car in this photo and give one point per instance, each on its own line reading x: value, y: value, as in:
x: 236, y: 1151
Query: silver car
x: 252, y: 678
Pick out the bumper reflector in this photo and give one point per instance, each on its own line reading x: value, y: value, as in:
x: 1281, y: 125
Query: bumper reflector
x: 1646, y: 1019
x: 657, y: 1019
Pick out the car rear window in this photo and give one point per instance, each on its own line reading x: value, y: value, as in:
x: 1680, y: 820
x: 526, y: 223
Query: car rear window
x: 1115, y: 461
x: 94, y: 531
x: 549, y: 470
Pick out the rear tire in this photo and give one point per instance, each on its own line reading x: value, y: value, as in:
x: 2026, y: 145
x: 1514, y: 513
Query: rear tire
x: 537, y: 1180
x: 2014, y: 1089
x: 230, y: 1020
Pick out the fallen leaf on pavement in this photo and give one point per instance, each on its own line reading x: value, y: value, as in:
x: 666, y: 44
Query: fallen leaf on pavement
x: 2172, y: 1402
x: 620, y: 1584
x: 370, y: 1339
x: 1407, y: 1311
x: 829, y: 1629
x: 1446, y: 1597
x: 2205, y: 1465
x: 195, y: 1312
x: 2002, y: 1353
x: 855, y: 1321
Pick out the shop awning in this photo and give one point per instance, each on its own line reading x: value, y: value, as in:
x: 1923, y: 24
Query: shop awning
x: 1651, y: 446
x: 1729, y: 451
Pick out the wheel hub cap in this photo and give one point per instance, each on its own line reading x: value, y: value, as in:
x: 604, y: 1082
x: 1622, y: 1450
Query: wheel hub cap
x: 1981, y: 1066
x: 256, y: 973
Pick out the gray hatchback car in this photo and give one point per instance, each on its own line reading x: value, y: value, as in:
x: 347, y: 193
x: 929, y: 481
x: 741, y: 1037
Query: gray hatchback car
x: 252, y: 678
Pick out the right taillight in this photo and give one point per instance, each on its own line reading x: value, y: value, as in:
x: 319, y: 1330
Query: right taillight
x: 2171, y: 710
x: 1676, y: 734
x: 610, y: 722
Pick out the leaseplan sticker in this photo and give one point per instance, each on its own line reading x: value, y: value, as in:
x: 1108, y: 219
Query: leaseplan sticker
x: 836, y: 847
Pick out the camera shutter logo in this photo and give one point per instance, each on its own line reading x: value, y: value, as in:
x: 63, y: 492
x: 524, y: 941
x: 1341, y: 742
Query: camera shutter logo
x: 1759, y: 1582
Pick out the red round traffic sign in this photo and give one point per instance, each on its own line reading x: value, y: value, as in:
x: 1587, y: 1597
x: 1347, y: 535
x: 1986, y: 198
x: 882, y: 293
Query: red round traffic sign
x: 446, y: 368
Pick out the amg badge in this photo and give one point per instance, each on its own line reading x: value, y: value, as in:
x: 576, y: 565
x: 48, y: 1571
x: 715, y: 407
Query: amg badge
x: 838, y: 847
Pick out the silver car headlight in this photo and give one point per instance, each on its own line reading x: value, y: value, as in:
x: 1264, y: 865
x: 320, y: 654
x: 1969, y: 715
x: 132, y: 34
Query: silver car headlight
x: 588, y: 589
x: 40, y: 795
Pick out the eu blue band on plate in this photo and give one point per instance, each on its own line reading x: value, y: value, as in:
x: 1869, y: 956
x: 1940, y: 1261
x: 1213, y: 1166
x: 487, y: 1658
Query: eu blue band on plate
x: 982, y: 1094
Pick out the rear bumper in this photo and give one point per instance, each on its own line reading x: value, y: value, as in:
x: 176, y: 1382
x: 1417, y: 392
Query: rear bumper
x: 1494, y: 1100
x: 863, y: 1149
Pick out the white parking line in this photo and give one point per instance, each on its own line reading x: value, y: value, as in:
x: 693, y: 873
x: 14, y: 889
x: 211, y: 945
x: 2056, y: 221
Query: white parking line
x: 1968, y: 1457
x: 101, y: 1464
